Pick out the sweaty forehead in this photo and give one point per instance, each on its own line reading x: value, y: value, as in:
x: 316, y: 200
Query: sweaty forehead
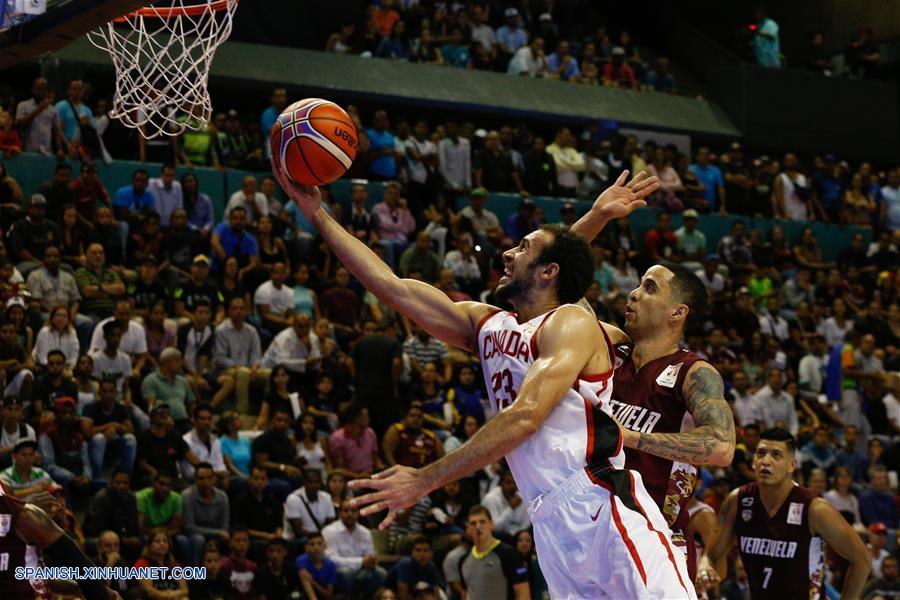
x: 773, y: 446
x: 660, y: 275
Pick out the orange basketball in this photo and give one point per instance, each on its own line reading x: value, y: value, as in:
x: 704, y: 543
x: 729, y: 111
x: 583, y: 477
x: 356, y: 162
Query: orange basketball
x: 314, y: 142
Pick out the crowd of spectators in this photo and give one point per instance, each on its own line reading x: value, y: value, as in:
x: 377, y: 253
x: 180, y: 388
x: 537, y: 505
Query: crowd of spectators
x: 208, y: 388
x: 486, y: 36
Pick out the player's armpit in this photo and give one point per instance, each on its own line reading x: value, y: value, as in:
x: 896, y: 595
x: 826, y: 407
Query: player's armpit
x: 712, y: 439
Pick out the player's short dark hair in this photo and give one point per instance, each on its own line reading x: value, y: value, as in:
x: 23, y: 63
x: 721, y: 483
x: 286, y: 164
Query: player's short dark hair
x: 478, y: 509
x: 777, y: 434
x: 687, y: 289
x: 575, y: 259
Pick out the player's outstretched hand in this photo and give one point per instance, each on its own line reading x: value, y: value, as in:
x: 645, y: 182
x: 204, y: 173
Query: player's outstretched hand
x: 394, y: 489
x: 621, y: 198
x: 707, y: 577
x: 308, y: 198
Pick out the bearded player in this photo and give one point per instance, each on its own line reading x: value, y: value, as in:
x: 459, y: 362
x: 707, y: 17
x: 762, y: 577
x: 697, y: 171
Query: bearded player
x: 548, y: 370
x: 669, y: 402
x: 780, y: 528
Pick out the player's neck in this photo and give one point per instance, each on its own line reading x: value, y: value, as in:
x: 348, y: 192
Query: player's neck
x: 535, y: 307
x: 648, y: 350
x: 773, y: 496
x: 483, y: 547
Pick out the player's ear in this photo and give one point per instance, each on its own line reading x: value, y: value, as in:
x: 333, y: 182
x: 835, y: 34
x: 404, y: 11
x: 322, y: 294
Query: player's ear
x: 550, y: 270
x: 680, y: 312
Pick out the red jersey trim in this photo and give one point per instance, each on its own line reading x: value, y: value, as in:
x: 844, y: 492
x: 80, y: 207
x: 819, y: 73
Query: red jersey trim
x: 482, y: 322
x: 617, y: 519
x: 662, y: 538
x: 534, y: 336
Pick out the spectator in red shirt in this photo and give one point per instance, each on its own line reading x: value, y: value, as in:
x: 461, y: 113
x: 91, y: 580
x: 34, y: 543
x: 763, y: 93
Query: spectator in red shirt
x: 88, y: 191
x: 341, y: 305
x: 237, y: 568
x: 10, y: 142
x: 660, y: 244
x: 354, y: 447
x: 617, y: 73
x: 385, y: 17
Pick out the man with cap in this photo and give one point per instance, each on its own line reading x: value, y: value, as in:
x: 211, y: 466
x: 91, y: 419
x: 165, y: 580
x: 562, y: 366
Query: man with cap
x: 198, y: 287
x: 691, y: 241
x: 161, y: 447
x: 617, y: 72
x: 64, y: 449
x: 12, y: 430
x: 710, y: 275
x: 483, y: 220
x: 167, y: 194
x: 31, y: 236
x: 510, y: 36
x: 878, y: 539
x: 23, y: 478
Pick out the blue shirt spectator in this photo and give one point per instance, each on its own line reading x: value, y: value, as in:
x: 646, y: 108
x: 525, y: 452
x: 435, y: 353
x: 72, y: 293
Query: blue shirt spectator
x: 409, y: 571
x: 270, y: 115
x: 659, y: 78
x: 511, y: 36
x: 711, y: 178
x: 562, y: 57
x: 69, y: 122
x: 127, y: 198
x: 766, y: 46
x: 890, y: 195
x: 324, y: 576
x: 455, y: 54
x: 383, y: 145
x: 877, y: 504
x: 235, y: 242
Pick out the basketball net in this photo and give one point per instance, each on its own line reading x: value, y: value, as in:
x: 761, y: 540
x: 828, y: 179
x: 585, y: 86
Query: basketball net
x: 162, y: 55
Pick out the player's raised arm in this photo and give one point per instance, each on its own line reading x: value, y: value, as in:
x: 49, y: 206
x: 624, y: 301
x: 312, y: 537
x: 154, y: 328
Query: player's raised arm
x: 711, y: 442
x: 452, y: 322
x: 618, y: 200
x: 568, y: 342
x: 827, y: 522
x: 723, y: 539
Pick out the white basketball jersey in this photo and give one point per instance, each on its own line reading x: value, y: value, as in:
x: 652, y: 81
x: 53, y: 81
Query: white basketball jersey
x: 578, y: 433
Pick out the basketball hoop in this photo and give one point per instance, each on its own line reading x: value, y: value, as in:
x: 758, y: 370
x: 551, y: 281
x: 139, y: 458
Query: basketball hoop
x: 162, y: 56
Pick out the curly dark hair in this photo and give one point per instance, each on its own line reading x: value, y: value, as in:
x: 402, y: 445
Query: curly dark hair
x: 576, y: 262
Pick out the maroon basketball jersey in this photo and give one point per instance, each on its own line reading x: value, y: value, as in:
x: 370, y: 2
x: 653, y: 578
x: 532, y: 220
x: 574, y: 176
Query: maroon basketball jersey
x: 782, y: 558
x: 650, y: 401
x: 13, y: 551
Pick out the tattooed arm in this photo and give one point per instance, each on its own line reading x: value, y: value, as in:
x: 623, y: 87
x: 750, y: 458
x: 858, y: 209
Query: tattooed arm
x: 711, y: 442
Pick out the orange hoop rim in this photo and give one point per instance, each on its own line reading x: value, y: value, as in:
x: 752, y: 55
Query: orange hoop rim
x: 183, y: 11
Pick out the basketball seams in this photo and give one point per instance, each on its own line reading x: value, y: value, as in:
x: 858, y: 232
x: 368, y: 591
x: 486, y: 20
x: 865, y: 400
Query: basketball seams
x: 302, y: 120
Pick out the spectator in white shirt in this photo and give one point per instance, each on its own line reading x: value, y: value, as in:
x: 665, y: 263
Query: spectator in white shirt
x: 710, y: 275
x: 274, y: 300
x: 529, y: 60
x: 294, y: 347
x: 771, y: 323
x: 13, y: 429
x: 455, y: 161
x: 133, y: 341
x: 746, y: 407
x: 57, y: 334
x: 508, y: 510
x: 204, y: 444
x: 777, y: 405
x: 464, y: 265
x: 309, y: 509
x: 167, y: 194
x: 252, y: 200
x: 350, y: 546
x: 811, y: 370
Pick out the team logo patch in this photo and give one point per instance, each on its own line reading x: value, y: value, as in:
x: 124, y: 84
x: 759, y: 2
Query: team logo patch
x: 747, y: 501
x: 619, y: 362
x: 668, y: 377
x: 746, y: 514
x: 795, y: 514
x: 5, y: 524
